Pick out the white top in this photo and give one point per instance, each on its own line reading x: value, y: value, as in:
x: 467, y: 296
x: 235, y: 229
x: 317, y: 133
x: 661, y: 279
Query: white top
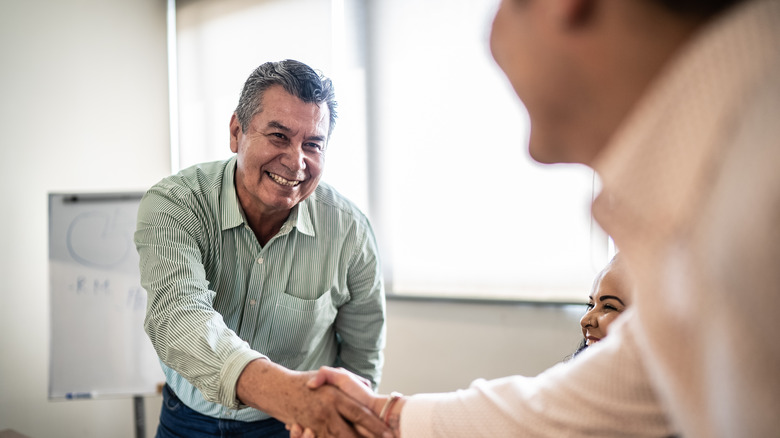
x: 692, y: 198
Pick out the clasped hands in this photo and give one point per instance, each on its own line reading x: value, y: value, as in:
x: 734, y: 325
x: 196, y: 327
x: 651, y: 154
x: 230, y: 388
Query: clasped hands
x: 368, y: 423
x: 328, y: 403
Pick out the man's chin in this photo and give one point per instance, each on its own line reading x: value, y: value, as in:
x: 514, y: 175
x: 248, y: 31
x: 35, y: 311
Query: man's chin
x: 541, y: 152
x: 549, y: 151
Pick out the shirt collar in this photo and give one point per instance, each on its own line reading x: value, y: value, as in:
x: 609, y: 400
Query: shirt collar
x: 304, y: 212
x: 233, y: 215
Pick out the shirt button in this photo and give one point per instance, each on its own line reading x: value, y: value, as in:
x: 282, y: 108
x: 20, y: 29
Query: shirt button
x: 260, y: 260
x: 252, y: 302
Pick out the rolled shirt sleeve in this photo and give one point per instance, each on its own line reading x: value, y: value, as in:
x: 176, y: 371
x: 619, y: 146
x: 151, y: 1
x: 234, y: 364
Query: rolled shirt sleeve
x: 187, y: 333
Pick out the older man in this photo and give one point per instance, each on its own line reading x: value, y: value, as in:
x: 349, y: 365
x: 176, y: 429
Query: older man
x: 256, y: 272
x: 675, y: 104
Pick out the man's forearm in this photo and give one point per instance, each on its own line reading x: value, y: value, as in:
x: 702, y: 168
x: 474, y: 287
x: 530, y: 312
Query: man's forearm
x: 257, y: 381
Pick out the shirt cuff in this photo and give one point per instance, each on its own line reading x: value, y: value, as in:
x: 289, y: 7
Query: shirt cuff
x: 230, y: 373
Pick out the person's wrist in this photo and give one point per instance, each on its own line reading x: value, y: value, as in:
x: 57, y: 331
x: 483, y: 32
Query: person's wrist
x: 388, y: 409
x: 378, y: 401
x: 393, y: 416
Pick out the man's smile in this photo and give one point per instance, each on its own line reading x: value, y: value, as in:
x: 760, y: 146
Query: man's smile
x: 282, y: 181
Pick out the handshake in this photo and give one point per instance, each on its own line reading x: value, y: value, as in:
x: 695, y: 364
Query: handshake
x: 378, y: 415
x: 331, y: 402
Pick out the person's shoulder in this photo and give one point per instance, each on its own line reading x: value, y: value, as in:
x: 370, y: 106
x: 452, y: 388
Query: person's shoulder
x: 329, y: 200
x: 193, y: 188
x: 201, y: 175
x: 197, y: 179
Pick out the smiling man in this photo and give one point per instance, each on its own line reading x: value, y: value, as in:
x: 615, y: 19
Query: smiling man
x: 257, y: 272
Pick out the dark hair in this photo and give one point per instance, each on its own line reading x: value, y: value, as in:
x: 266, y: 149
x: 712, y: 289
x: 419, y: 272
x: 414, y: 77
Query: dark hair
x: 297, y: 78
x: 697, y: 8
x: 583, y: 345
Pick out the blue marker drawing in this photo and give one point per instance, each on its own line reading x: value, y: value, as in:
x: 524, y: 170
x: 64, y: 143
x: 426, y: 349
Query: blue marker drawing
x: 99, y: 239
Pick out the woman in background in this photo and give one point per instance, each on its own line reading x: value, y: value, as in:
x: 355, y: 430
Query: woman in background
x: 610, y: 296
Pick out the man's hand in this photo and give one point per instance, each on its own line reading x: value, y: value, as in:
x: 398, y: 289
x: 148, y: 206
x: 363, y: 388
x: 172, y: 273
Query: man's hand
x: 325, y: 410
x: 351, y: 384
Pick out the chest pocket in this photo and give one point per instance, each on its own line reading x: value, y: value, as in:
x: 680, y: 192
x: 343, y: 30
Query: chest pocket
x: 299, y: 327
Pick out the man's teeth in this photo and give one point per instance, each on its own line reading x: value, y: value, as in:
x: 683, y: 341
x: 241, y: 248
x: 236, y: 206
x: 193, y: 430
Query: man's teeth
x: 282, y: 181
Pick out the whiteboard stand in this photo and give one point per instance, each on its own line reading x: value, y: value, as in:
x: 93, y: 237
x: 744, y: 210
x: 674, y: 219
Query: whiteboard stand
x: 140, y: 417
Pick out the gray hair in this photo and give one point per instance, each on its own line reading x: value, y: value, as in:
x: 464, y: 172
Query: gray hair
x: 297, y: 78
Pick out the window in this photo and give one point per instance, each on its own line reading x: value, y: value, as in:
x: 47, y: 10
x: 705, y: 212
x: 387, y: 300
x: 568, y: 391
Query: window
x: 219, y: 42
x: 430, y: 142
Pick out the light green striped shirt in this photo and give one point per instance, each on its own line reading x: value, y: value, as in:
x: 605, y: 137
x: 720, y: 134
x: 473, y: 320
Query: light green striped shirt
x: 312, y: 296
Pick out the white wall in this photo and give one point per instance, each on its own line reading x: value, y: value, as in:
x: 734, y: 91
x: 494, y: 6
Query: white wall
x: 435, y: 346
x: 83, y: 107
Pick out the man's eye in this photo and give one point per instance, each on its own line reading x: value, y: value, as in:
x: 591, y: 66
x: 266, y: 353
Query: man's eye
x: 314, y: 145
x: 277, y: 136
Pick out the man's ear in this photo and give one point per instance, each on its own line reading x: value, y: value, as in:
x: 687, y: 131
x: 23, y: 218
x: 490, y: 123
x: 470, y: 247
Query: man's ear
x: 235, y: 131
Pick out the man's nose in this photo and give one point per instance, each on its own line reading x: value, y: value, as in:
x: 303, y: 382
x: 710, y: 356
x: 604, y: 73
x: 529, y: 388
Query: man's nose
x: 294, y: 158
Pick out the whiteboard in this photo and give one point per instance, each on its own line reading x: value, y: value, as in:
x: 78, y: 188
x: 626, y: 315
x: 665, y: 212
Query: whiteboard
x: 98, y: 346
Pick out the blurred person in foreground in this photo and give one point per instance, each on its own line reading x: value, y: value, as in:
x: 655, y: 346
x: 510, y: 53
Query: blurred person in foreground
x: 675, y: 104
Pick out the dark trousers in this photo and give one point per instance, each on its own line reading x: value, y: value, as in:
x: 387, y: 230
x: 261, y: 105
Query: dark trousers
x: 177, y: 420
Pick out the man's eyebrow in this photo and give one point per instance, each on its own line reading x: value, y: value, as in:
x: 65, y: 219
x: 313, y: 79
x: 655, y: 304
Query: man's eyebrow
x: 317, y: 138
x: 277, y: 125
x: 274, y: 124
x: 607, y: 297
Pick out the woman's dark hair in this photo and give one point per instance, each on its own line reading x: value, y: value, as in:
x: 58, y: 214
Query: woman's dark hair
x: 583, y: 345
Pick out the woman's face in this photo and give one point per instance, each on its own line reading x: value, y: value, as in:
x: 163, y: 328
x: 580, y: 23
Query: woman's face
x: 610, y: 297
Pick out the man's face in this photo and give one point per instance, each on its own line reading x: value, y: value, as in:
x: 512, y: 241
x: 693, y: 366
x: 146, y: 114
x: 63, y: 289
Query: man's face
x: 524, y: 42
x: 282, y: 154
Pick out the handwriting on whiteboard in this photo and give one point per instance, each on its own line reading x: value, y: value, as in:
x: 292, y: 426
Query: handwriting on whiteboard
x: 131, y: 297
